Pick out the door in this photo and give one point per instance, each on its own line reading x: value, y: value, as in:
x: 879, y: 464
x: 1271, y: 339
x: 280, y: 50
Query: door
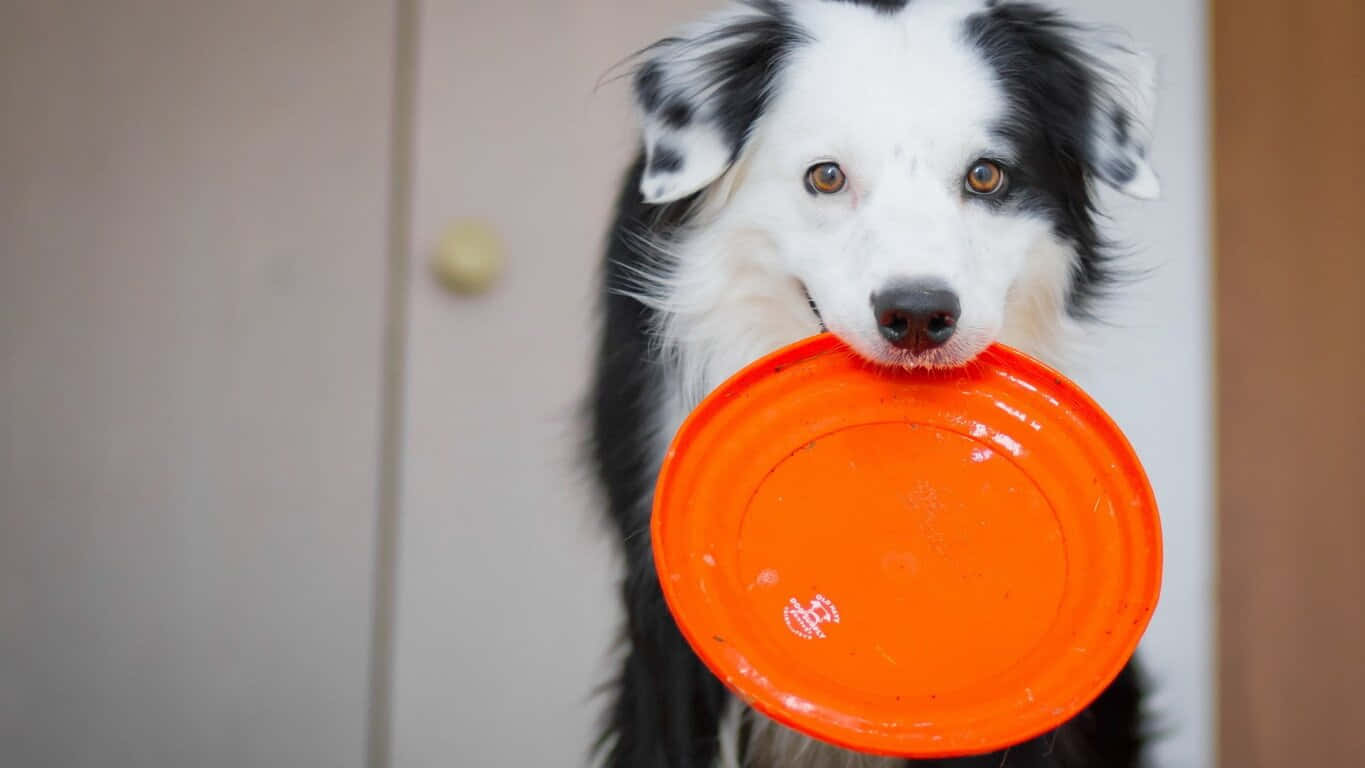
x: 506, y: 597
x: 192, y: 261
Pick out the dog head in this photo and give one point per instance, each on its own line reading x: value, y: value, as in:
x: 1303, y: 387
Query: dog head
x: 924, y: 169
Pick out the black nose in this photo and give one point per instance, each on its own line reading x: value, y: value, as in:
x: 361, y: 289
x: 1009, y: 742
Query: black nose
x: 917, y: 315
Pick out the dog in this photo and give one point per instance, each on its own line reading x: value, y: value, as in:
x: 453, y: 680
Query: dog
x: 917, y: 177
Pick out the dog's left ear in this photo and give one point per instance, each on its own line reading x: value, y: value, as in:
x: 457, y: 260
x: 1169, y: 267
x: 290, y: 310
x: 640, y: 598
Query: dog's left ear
x: 700, y: 93
x: 1120, y: 125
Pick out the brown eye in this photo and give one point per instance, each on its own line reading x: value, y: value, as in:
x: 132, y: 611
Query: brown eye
x: 985, y: 178
x: 825, y: 178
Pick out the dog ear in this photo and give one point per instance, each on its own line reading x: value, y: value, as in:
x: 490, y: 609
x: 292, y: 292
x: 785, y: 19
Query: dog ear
x: 1120, y: 126
x: 699, y: 94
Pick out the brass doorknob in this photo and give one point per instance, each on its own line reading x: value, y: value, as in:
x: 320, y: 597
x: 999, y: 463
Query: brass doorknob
x: 469, y: 257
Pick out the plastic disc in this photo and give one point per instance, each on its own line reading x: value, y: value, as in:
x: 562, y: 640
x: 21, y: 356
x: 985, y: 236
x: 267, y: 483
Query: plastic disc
x: 911, y: 563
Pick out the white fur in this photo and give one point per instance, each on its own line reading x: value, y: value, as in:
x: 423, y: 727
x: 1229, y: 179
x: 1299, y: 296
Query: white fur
x: 1130, y: 89
x: 904, y: 104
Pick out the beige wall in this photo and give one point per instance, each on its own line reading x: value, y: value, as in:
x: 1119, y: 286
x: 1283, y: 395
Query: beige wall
x: 1291, y: 418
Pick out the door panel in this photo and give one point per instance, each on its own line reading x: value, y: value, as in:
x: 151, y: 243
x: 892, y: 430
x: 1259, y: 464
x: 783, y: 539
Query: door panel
x: 506, y: 606
x: 1291, y: 271
x: 192, y: 260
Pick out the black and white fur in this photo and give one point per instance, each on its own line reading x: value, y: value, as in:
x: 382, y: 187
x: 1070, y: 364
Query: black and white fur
x: 721, y: 253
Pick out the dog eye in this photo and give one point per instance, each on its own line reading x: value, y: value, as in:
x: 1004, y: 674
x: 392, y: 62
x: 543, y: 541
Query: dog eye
x: 825, y: 178
x: 985, y: 178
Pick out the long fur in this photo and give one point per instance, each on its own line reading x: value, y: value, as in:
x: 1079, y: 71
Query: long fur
x: 717, y: 256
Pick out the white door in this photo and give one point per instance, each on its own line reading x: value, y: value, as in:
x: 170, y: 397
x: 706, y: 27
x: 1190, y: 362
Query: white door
x: 506, y: 606
x: 192, y: 261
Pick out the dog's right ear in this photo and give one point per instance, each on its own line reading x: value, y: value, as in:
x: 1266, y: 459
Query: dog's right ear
x: 700, y: 93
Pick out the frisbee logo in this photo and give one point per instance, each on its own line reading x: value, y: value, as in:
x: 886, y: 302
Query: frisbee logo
x: 805, y: 621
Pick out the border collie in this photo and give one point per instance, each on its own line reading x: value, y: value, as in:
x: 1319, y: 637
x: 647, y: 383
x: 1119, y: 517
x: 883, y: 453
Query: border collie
x: 919, y: 178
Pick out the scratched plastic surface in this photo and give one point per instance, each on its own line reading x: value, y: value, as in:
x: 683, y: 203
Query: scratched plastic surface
x: 923, y: 564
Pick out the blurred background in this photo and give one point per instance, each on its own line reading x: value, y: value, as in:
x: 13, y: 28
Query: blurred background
x: 272, y: 493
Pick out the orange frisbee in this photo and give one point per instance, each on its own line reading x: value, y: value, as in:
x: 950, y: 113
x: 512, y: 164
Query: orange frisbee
x: 911, y: 563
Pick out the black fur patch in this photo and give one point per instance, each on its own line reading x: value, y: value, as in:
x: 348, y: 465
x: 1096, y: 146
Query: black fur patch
x: 649, y: 86
x: 1122, y: 124
x: 665, y: 160
x: 1052, y: 86
x: 882, y: 6
x: 1119, y: 170
x: 677, y: 114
